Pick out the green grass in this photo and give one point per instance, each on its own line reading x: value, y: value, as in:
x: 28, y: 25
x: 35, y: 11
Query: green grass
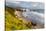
x: 14, y: 23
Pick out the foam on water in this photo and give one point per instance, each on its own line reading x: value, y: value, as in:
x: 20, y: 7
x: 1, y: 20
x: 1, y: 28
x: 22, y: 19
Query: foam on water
x: 34, y: 16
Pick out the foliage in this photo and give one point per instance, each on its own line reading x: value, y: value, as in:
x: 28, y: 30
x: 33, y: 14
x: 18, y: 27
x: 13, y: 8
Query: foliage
x: 14, y: 23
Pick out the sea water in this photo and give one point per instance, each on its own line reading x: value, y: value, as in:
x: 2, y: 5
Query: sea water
x: 37, y: 15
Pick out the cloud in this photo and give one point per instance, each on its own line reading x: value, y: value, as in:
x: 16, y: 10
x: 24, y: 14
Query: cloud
x: 17, y: 2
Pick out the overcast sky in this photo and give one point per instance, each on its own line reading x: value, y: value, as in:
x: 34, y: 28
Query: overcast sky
x: 25, y: 4
x: 26, y: 0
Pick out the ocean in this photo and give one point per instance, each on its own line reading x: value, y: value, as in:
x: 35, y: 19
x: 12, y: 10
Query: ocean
x: 37, y: 15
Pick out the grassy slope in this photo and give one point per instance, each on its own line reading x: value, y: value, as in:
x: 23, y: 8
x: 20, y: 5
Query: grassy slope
x: 13, y: 23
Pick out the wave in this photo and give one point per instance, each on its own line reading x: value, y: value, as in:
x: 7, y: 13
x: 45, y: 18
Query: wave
x: 34, y: 16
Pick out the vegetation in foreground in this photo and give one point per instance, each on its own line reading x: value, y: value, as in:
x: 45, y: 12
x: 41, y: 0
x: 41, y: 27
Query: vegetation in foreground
x: 14, y: 23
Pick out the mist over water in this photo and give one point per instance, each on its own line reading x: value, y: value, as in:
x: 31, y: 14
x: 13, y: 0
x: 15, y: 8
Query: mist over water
x: 37, y: 15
